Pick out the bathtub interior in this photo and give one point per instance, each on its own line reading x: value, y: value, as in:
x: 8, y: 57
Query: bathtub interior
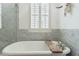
x: 29, y: 46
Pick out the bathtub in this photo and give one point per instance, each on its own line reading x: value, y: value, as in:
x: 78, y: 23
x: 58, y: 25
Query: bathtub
x: 28, y: 48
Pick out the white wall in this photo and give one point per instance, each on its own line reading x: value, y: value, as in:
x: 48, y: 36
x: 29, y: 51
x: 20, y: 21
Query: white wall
x: 70, y: 21
x: 24, y: 16
x: 54, y: 16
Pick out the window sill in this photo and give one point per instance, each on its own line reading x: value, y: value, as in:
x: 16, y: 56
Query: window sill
x: 34, y: 30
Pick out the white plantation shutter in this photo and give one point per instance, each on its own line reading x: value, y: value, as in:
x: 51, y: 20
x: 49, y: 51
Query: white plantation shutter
x: 39, y: 15
x: 35, y: 16
x: 44, y: 15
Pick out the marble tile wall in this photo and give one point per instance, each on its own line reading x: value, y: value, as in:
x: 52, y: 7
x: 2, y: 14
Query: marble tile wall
x: 8, y: 30
x: 71, y: 38
x: 37, y: 36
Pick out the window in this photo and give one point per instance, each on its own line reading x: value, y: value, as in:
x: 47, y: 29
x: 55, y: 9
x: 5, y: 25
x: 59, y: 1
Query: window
x: 39, y: 16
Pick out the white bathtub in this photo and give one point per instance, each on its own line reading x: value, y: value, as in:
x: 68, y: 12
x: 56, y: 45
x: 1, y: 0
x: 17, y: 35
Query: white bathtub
x: 30, y: 48
x: 27, y: 48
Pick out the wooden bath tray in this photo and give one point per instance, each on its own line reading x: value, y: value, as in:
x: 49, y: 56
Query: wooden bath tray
x: 53, y: 46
